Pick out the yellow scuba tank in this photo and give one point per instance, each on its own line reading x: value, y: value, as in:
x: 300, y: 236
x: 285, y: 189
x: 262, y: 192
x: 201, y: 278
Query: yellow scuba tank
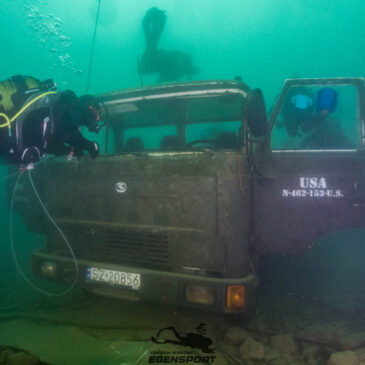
x: 16, y: 90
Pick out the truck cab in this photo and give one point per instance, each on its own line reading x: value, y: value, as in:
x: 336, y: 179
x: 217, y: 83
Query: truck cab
x: 195, y: 184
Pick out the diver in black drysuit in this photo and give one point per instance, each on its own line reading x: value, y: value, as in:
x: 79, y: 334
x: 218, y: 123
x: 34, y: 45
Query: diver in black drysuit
x: 170, y: 65
x: 54, y: 129
x: 64, y: 136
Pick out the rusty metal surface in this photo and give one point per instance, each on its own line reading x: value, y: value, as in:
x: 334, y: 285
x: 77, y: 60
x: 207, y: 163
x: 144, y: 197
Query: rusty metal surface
x: 190, y: 209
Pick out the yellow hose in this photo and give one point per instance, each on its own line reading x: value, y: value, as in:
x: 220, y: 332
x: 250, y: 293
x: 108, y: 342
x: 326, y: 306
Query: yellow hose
x: 6, y: 118
x: 8, y: 121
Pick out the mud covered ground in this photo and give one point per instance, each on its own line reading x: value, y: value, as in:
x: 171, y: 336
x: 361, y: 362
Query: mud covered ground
x: 310, y: 310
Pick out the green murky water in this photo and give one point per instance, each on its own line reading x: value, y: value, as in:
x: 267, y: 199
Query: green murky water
x: 265, y: 42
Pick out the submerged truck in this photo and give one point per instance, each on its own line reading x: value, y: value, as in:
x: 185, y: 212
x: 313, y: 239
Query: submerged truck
x: 195, y: 184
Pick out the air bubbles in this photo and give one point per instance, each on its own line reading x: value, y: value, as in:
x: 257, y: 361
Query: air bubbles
x: 64, y: 59
x: 66, y: 62
x: 66, y: 41
x: 47, y: 28
x: 58, y: 22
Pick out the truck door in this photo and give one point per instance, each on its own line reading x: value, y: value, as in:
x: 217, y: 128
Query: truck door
x: 314, y: 171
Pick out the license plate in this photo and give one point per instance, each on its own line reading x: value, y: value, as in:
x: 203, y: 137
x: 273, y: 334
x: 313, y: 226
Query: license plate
x: 114, y: 277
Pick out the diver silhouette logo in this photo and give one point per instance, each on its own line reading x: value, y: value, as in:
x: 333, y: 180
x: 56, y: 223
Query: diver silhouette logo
x: 193, y: 340
x: 120, y: 187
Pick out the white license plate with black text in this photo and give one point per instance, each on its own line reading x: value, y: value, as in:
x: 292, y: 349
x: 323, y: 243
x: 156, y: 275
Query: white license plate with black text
x: 114, y: 277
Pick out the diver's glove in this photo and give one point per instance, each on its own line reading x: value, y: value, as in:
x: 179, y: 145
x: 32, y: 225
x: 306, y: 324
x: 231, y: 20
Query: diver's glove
x: 75, y: 152
x: 94, y: 150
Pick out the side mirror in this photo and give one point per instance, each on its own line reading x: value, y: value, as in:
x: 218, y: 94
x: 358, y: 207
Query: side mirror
x: 256, y: 113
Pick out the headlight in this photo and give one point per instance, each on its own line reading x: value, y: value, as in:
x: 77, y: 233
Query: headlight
x: 49, y: 269
x: 201, y: 294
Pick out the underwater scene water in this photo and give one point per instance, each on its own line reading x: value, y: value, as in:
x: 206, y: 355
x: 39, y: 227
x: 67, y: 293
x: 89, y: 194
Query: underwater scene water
x: 185, y: 205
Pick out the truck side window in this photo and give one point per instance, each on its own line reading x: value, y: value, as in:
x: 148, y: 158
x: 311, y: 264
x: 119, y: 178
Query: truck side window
x: 318, y: 118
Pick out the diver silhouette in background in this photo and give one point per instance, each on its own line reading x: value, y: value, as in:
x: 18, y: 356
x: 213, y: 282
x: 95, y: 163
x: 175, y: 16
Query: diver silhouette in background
x: 170, y: 65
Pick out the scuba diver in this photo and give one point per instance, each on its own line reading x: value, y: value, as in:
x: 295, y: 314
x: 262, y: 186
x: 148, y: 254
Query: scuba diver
x: 297, y: 111
x: 326, y: 131
x: 170, y: 65
x: 35, y: 120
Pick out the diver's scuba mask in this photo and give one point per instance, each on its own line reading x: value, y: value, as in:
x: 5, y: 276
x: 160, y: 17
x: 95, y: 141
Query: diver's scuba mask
x: 86, y: 111
x: 95, y: 117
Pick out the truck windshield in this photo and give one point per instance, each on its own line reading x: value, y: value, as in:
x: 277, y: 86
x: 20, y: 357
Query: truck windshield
x: 178, y: 124
x: 318, y: 118
x: 222, y: 135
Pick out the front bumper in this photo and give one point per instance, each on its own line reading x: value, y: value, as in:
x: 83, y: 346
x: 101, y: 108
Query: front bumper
x: 156, y: 286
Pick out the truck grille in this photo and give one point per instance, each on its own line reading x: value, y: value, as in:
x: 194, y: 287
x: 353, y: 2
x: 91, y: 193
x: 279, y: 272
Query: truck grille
x: 147, y: 250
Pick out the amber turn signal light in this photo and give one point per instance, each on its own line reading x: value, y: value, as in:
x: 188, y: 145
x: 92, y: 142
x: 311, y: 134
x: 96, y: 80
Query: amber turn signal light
x: 235, y: 296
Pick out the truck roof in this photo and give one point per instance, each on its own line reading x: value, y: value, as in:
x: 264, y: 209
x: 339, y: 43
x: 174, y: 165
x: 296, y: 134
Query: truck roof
x: 198, y: 87
x: 325, y: 80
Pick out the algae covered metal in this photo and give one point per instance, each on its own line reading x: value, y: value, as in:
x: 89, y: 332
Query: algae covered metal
x: 194, y: 185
